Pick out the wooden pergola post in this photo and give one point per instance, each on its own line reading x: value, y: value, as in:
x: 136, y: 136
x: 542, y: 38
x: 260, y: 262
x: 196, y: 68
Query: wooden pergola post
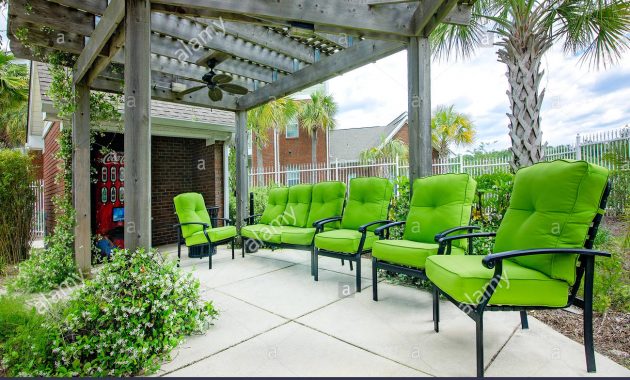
x: 137, y: 98
x: 81, y: 178
x: 242, y: 182
x: 419, y: 107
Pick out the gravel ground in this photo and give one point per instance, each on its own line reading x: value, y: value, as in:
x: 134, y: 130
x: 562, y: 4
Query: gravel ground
x: 611, y: 331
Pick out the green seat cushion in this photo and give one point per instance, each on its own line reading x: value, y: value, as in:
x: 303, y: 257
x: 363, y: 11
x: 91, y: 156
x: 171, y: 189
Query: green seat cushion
x: 191, y: 208
x: 439, y: 203
x: 326, y: 202
x: 297, y: 235
x: 262, y: 232
x: 368, y: 201
x: 407, y: 252
x: 343, y: 240
x: 216, y: 234
x: 552, y: 206
x: 464, y: 278
x: 298, y: 206
x: 276, y: 204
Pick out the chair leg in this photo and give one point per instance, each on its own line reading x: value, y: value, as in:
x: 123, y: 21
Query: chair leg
x: 210, y: 256
x: 243, y: 240
x: 436, y: 309
x: 524, y: 323
x: 589, y: 346
x: 479, y: 344
x: 374, y: 280
x: 315, y: 269
x: 343, y: 262
x: 350, y: 262
x: 179, y: 251
x: 358, y: 273
x: 233, y: 249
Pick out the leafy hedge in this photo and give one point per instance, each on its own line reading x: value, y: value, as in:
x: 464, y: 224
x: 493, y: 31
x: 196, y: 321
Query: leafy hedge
x: 17, y: 200
x: 122, y: 323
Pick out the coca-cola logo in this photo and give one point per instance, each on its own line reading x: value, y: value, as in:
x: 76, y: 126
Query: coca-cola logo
x: 113, y: 158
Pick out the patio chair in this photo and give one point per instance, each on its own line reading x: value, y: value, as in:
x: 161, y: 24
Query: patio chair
x: 440, y: 206
x: 264, y: 227
x: 196, y: 228
x: 542, y: 251
x: 367, y: 208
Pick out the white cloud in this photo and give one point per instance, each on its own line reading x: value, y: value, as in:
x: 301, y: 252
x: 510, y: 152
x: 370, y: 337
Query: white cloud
x: 573, y: 103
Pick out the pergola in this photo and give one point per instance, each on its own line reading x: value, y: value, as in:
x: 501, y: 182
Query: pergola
x: 272, y: 47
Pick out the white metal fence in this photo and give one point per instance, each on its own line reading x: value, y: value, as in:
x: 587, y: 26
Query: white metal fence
x: 595, y: 147
x: 39, y: 216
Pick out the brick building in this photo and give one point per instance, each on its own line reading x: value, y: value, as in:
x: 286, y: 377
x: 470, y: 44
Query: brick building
x: 188, y: 153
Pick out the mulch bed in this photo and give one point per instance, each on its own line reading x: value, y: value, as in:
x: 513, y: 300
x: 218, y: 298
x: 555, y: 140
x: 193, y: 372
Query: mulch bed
x: 611, y: 331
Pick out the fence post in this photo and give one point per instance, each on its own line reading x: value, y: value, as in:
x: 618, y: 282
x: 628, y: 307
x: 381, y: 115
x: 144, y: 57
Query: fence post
x: 397, y: 167
x: 336, y: 169
x: 461, y: 163
x: 578, y: 148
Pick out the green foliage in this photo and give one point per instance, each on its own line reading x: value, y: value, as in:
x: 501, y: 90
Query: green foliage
x: 13, y: 101
x: 400, y: 205
x: 389, y: 150
x: 122, y: 323
x: 137, y: 309
x: 17, y: 200
x: 25, y: 338
x: 449, y: 127
x: 611, y: 288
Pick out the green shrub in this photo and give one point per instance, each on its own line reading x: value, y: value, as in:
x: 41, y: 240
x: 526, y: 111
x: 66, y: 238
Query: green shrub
x: 17, y: 200
x: 136, y: 310
x: 611, y: 288
x: 53, y: 266
x: 261, y: 194
x: 25, y: 338
x: 400, y: 205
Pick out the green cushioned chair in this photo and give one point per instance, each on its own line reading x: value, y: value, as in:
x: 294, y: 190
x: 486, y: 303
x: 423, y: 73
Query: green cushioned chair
x: 368, y: 204
x: 267, y: 227
x: 196, y: 228
x: 440, y: 206
x: 542, y: 251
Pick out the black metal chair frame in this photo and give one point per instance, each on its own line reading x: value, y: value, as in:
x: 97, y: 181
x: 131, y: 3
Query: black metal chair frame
x: 383, y: 233
x: 210, y: 245
x: 356, y: 257
x: 585, y: 270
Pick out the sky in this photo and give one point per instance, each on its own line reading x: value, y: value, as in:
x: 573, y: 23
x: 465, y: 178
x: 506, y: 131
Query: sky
x: 578, y: 99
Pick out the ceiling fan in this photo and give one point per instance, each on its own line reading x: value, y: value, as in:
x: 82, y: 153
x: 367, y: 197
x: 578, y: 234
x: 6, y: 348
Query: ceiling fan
x: 216, y: 84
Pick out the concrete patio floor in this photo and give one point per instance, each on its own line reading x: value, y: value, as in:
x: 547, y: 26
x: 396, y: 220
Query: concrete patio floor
x: 276, y: 321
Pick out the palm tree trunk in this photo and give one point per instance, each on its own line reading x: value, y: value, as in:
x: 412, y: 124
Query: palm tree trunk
x: 314, y: 154
x: 522, y: 52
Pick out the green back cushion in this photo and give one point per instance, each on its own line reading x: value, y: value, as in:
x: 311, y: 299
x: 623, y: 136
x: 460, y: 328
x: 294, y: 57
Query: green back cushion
x: 298, y: 205
x: 552, y: 206
x: 190, y: 207
x: 439, y: 203
x: 327, y: 201
x: 368, y: 201
x: 276, y: 203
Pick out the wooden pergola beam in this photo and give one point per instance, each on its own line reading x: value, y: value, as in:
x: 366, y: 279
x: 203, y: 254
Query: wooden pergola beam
x: 55, y: 16
x: 115, y: 45
x: 92, y: 6
x: 106, y: 27
x: 324, y: 15
x: 339, y: 63
x: 63, y: 41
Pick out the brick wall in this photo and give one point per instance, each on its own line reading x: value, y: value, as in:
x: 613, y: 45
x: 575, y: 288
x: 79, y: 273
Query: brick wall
x: 50, y: 168
x: 37, y: 158
x: 292, y: 151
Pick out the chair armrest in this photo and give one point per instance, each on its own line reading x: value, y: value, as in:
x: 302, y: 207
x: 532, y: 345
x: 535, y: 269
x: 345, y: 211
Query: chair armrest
x: 490, y: 260
x: 447, y: 239
x: 205, y: 225
x: 460, y: 228
x: 320, y: 223
x: 251, y: 218
x: 380, y: 230
x: 364, y: 227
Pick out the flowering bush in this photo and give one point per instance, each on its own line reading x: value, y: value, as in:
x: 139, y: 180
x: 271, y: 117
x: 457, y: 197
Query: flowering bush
x: 121, y: 323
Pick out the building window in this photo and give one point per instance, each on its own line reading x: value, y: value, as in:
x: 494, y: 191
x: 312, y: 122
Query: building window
x: 293, y: 129
x: 293, y: 177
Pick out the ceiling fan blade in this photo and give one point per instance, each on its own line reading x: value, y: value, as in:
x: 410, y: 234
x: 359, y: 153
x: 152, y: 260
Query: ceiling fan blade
x: 215, y: 94
x: 234, y: 88
x: 221, y: 79
x: 191, y: 90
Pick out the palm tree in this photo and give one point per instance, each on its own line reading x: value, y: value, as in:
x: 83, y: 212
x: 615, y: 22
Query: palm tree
x: 526, y: 30
x: 387, y: 151
x: 318, y: 114
x: 450, y: 128
x: 272, y: 116
x: 13, y: 101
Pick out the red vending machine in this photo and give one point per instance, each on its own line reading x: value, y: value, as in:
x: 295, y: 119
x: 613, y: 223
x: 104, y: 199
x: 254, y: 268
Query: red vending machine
x: 110, y: 197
